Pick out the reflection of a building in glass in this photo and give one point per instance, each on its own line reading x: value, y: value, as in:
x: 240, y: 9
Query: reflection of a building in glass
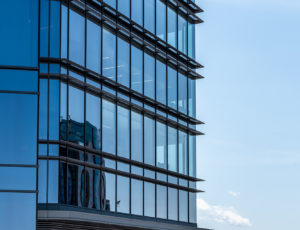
x: 81, y: 185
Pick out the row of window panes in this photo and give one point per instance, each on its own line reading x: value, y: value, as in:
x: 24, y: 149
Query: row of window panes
x: 170, y: 26
x: 87, y: 187
x: 120, y: 60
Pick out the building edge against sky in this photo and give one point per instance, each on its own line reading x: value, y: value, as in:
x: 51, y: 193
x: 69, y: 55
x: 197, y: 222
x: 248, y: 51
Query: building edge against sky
x: 98, y: 114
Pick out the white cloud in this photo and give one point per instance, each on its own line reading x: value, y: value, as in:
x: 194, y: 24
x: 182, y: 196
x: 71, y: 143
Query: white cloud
x: 232, y: 193
x: 220, y: 214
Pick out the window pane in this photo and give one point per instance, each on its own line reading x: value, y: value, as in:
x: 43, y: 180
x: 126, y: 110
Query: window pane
x: 172, y: 88
x: 75, y: 185
x: 149, y: 141
x: 109, y: 127
x: 53, y: 182
x: 15, y: 23
x: 42, y: 181
x: 149, y: 199
x: 182, y: 93
x: 77, y: 38
x: 137, y: 11
x: 54, y: 29
x: 63, y: 111
x: 112, y: 3
x: 17, y: 211
x: 149, y: 76
x: 172, y: 204
x: 161, y: 148
x: 182, y: 145
x: 172, y: 149
x: 191, y: 40
x: 123, y: 132
x: 172, y: 27
x: 182, y: 34
x: 161, y: 19
x: 161, y: 202
x: 64, y: 30
x: 136, y: 69
x: 19, y: 122
x: 123, y: 62
x: 136, y: 197
x: 192, y: 208
x: 192, y: 97
x: 18, y: 80
x: 136, y: 136
x: 93, y: 52
x: 123, y: 194
x: 93, y: 116
x: 44, y: 28
x: 149, y: 17
x: 109, y: 188
x: 109, y: 55
x: 192, y: 156
x: 53, y: 109
x: 76, y: 115
x: 183, y: 206
x: 17, y: 178
x: 161, y: 82
x: 124, y: 7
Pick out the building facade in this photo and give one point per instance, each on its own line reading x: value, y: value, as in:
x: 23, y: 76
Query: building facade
x: 98, y: 114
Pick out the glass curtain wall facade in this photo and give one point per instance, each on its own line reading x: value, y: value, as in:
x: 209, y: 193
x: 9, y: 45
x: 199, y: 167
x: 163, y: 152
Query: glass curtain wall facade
x: 100, y: 96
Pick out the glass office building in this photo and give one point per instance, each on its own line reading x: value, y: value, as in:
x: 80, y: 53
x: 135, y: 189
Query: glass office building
x: 98, y: 114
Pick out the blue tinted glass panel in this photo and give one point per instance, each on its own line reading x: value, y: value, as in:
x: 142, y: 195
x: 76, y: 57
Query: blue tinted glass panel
x: 192, y: 208
x: 136, y: 136
x: 136, y: 197
x: 43, y: 110
x: 123, y: 132
x: 149, y: 141
x: 182, y: 34
x: 182, y: 146
x: 183, y: 206
x: 53, y: 109
x: 64, y: 31
x: 172, y: 88
x: 136, y: 69
x: 161, y: 145
x: 149, y: 76
x: 63, y: 111
x: 15, y: 23
x: 44, y: 27
x: 18, y: 80
x: 19, y: 122
x: 124, y: 7
x: 192, y: 97
x: 192, y: 156
x: 172, y: 204
x: 112, y: 3
x: 182, y: 93
x: 161, y: 20
x: 161, y: 82
x: 42, y: 182
x: 17, y: 178
x: 17, y: 211
x: 109, y: 55
x: 149, y: 199
x: 123, y: 194
x: 149, y: 17
x: 137, y: 11
x: 93, y: 49
x: 55, y: 29
x: 77, y: 38
x: 53, y: 150
x: 109, y: 127
x: 191, y: 40
x: 53, y: 182
x: 172, y: 149
x: 93, y: 117
x: 172, y: 27
x: 161, y: 201
x: 76, y: 185
x: 110, y: 195
x: 123, y: 62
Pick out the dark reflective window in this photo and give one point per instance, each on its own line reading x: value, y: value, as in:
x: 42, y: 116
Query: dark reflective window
x: 136, y: 136
x: 192, y: 156
x: 93, y: 47
x: 123, y: 132
x: 53, y: 109
x: 15, y: 23
x: 77, y: 38
x: 92, y: 126
x: 149, y: 141
x: 149, y: 17
x: 109, y: 55
x: 149, y: 76
x: 53, y: 182
x: 55, y: 29
x: 161, y: 20
x: 64, y: 30
x: 182, y: 93
x: 172, y: 27
x: 17, y: 211
x: 136, y: 197
x: 172, y: 204
x: 76, y: 115
x: 137, y: 11
x: 161, y: 145
x: 149, y: 199
x: 172, y: 88
x: 182, y: 145
x: 124, y: 7
x: 161, y: 82
x: 110, y: 185
x: 18, y: 80
x: 136, y: 69
x: 42, y: 181
x: 123, y: 194
x: 161, y: 201
x: 17, y: 178
x: 43, y: 109
x: 172, y: 149
x: 183, y: 206
x: 123, y: 62
x: 192, y: 97
x: 192, y: 208
x: 191, y: 40
x: 182, y: 34
x: 76, y: 185
x: 18, y: 122
x: 109, y: 127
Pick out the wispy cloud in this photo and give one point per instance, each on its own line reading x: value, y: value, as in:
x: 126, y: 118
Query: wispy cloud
x: 221, y: 214
x: 232, y: 193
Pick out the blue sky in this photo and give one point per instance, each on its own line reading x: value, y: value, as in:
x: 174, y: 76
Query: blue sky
x: 250, y: 102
